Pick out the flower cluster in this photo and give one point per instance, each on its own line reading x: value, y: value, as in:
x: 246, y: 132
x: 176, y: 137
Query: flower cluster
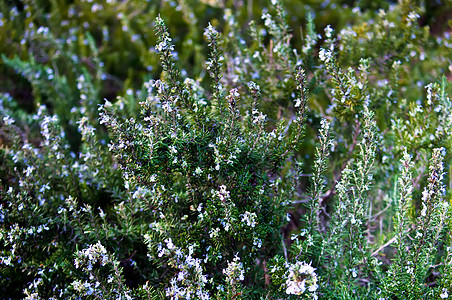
x: 95, y: 253
x: 249, y: 219
x: 189, y: 281
x: 234, y: 272
x: 106, y: 282
x: 301, y: 277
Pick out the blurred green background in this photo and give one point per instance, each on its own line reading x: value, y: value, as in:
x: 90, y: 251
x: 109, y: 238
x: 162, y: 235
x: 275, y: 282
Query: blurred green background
x: 56, y: 34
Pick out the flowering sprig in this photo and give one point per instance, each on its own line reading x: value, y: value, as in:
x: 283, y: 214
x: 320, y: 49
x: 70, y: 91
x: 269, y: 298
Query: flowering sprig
x: 320, y: 166
x: 195, y: 172
x: 214, y: 65
x: 300, y: 106
x: 411, y: 267
x: 175, y: 83
x: 433, y: 211
x: 311, y: 37
x: 351, y: 215
x: 404, y: 199
x: 278, y: 27
x: 397, y: 273
x: 445, y: 281
x: 348, y: 93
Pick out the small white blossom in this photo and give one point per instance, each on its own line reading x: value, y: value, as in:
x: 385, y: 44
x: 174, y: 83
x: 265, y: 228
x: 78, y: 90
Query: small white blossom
x: 44, y: 188
x: 214, y: 233
x: 413, y: 16
x: 328, y: 31
x: 444, y: 294
x: 269, y: 23
x: 153, y: 178
x: 91, y: 255
x: 28, y: 171
x: 297, y: 102
x: 167, y: 107
x: 169, y: 244
x: 165, y: 45
x: 173, y: 149
x: 198, y: 171
x: 101, y: 213
x: 8, y: 120
x: 257, y: 242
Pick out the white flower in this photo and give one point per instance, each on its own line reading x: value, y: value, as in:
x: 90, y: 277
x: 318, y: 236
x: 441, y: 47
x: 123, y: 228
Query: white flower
x: 269, y: 23
x: 6, y: 260
x: 297, y: 102
x: 424, y: 209
x: 301, y: 277
x: 410, y: 270
x: 214, y: 233
x: 85, y: 128
x: 328, y: 31
x: 44, y: 188
x: 413, y: 16
x: 8, y: 120
x: 28, y: 171
x: 429, y: 93
x: 198, y: 171
x: 167, y: 107
x: 94, y: 253
x: 173, y: 149
x: 254, y: 87
x: 325, y: 125
x: 444, y: 294
x: 169, y: 243
x: 165, y: 45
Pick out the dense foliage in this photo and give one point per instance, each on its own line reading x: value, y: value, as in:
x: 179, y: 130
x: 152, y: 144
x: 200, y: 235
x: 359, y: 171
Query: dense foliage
x: 258, y: 158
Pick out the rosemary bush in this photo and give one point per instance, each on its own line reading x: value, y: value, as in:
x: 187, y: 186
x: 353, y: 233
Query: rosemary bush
x: 316, y: 168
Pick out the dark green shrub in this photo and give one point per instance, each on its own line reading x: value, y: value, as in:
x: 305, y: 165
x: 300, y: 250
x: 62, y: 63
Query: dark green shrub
x: 308, y: 167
